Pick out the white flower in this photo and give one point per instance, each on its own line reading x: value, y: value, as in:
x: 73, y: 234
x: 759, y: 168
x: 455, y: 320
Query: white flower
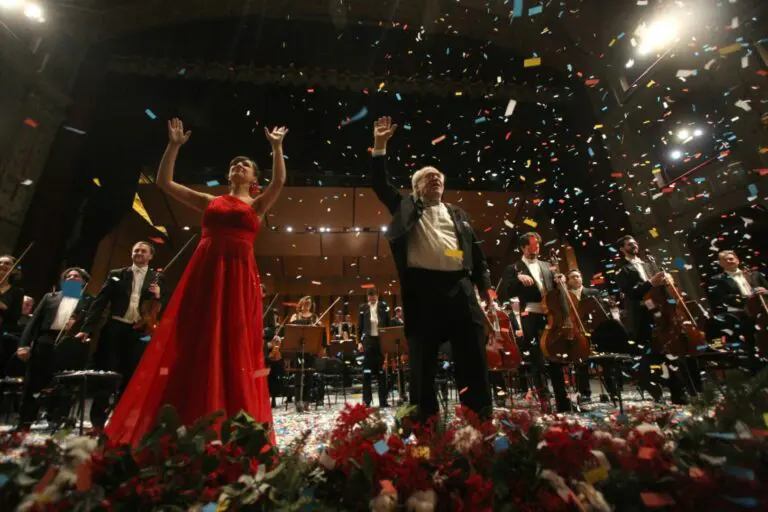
x: 466, y: 438
x: 422, y: 501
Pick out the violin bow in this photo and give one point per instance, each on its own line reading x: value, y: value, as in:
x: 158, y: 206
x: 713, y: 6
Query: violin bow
x: 16, y: 263
x: 326, y: 311
x: 176, y: 256
x: 269, y: 306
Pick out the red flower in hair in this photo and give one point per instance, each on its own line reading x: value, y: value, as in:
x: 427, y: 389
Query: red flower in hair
x: 254, y: 188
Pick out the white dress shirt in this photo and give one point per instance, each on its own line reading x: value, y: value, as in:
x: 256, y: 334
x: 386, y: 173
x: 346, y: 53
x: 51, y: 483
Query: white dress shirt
x: 374, y: 316
x: 132, y: 314
x: 741, y: 281
x: 638, y: 264
x: 534, y: 267
x: 64, y: 313
x: 431, y: 237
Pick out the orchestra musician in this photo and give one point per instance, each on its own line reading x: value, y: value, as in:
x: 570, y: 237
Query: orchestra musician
x: 635, y: 279
x: 305, y: 315
x: 11, y: 302
x: 120, y: 345
x: 398, y: 318
x: 438, y: 260
x: 530, y: 280
x: 272, y: 356
x: 374, y: 314
x: 729, y: 292
x: 54, y: 314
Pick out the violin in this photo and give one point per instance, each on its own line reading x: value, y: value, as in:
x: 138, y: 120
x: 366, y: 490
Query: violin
x: 274, y: 352
x: 565, y: 339
x: 674, y: 329
x: 501, y: 348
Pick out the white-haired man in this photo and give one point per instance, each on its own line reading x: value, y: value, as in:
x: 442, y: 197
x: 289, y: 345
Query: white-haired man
x: 439, y: 262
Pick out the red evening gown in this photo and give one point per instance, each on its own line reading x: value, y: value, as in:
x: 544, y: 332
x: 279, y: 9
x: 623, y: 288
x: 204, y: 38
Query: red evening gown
x: 206, y: 355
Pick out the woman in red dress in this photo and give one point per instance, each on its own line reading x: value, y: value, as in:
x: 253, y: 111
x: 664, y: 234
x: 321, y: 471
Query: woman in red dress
x: 206, y: 355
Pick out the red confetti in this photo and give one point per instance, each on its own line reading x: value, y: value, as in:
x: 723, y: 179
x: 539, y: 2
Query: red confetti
x: 156, y: 239
x: 367, y: 286
x: 438, y: 140
x: 617, y: 174
x: 592, y: 82
x: 30, y: 122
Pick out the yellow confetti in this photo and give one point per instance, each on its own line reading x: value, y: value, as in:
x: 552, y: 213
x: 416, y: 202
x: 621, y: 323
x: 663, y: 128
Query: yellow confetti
x: 765, y: 418
x: 613, y: 41
x: 656, y: 171
x: 532, y: 62
x: 542, y: 180
x: 595, y: 475
x: 459, y: 93
x: 381, y: 85
x: 653, y: 232
x: 730, y: 49
x: 97, y: 182
x: 598, y: 126
x: 531, y: 222
x: 650, y: 83
x: 454, y: 253
x: 420, y: 452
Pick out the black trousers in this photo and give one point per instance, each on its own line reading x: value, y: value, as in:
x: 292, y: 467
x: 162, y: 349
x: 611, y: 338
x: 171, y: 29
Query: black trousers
x: 40, y: 370
x: 441, y: 306
x: 119, y: 350
x: 533, y: 326
x: 372, y: 362
x: 609, y: 370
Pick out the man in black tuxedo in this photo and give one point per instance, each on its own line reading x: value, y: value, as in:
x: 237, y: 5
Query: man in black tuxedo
x: 374, y: 315
x: 56, y: 316
x: 635, y: 279
x: 120, y: 346
x: 530, y: 280
x: 439, y: 261
x: 729, y: 292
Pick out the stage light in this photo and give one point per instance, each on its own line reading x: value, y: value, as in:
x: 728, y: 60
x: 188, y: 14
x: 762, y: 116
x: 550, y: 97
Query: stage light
x: 656, y: 36
x: 683, y: 134
x: 676, y: 154
x: 34, y: 12
x: 289, y: 229
x: 698, y: 132
x: 357, y: 229
x: 186, y: 228
x: 10, y: 4
x: 384, y: 229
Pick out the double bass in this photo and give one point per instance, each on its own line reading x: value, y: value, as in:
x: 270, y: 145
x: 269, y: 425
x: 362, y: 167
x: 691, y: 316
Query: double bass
x: 675, y: 330
x: 501, y: 348
x: 565, y: 339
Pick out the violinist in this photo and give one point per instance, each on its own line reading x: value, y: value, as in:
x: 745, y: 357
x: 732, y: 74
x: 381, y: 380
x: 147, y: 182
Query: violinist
x: 305, y: 315
x: 530, y: 280
x: 56, y: 312
x: 11, y: 302
x: 730, y: 293
x: 272, y: 355
x: 635, y: 279
x: 374, y: 314
x: 120, y: 346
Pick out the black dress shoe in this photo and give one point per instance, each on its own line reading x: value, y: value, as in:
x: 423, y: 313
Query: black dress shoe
x: 604, y: 398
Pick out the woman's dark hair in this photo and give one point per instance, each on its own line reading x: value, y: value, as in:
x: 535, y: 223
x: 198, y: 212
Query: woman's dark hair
x: 239, y: 159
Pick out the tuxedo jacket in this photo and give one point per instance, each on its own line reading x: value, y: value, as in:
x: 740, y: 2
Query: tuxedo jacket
x: 116, y: 293
x: 513, y: 287
x: 406, y: 211
x: 724, y: 292
x: 45, y: 314
x: 633, y: 288
x: 364, y: 320
x: 587, y: 292
x: 269, y: 324
x: 338, y: 329
x: 9, y: 317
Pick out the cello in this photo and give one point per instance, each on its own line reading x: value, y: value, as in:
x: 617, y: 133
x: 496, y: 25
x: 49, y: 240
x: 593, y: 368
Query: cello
x: 501, y: 348
x: 674, y: 330
x: 565, y: 339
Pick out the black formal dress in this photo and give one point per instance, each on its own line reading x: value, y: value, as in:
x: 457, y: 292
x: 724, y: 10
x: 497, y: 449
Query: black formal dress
x: 45, y: 359
x: 372, y: 358
x: 13, y: 298
x: 438, y: 305
x: 313, y: 387
x: 728, y: 304
x: 639, y: 324
x: 533, y: 326
x: 120, y: 346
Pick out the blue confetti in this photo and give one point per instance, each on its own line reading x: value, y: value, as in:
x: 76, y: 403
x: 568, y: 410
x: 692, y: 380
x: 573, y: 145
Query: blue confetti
x: 360, y: 115
x: 501, y: 444
x: 212, y: 183
x: 743, y: 501
x: 397, y: 95
x: 679, y: 263
x: 590, y: 151
x: 182, y: 71
x: 209, y: 507
x: 150, y: 114
x: 381, y: 447
x: 725, y: 436
x: 480, y: 119
x: 533, y: 11
x: 746, y: 474
x: 145, y: 339
x: 517, y: 8
x: 3, y: 480
x: 752, y: 190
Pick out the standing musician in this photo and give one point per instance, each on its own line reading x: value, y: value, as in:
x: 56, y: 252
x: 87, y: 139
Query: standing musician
x: 120, y: 346
x: 273, y: 357
x: 530, y: 280
x: 11, y: 303
x: 374, y: 314
x: 729, y: 293
x: 438, y: 260
x: 635, y: 279
x: 56, y: 316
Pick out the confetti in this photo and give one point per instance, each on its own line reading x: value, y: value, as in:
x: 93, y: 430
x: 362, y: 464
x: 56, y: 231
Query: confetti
x: 74, y: 130
x: 150, y: 114
x: 530, y: 222
x: 454, y: 253
x: 532, y: 62
x: 653, y: 232
x: 30, y: 122
x: 510, y: 108
x: 438, y: 140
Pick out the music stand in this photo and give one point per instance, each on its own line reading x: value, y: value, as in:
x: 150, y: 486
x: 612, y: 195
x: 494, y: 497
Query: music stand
x: 392, y: 340
x: 302, y: 339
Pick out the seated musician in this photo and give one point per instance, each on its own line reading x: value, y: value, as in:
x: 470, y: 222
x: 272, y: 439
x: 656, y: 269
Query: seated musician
x: 350, y: 327
x: 56, y: 316
x: 305, y: 315
x: 729, y: 293
x: 635, y: 279
x: 576, y: 286
x: 337, y: 327
x: 530, y: 280
x: 373, y: 315
x: 398, y: 318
